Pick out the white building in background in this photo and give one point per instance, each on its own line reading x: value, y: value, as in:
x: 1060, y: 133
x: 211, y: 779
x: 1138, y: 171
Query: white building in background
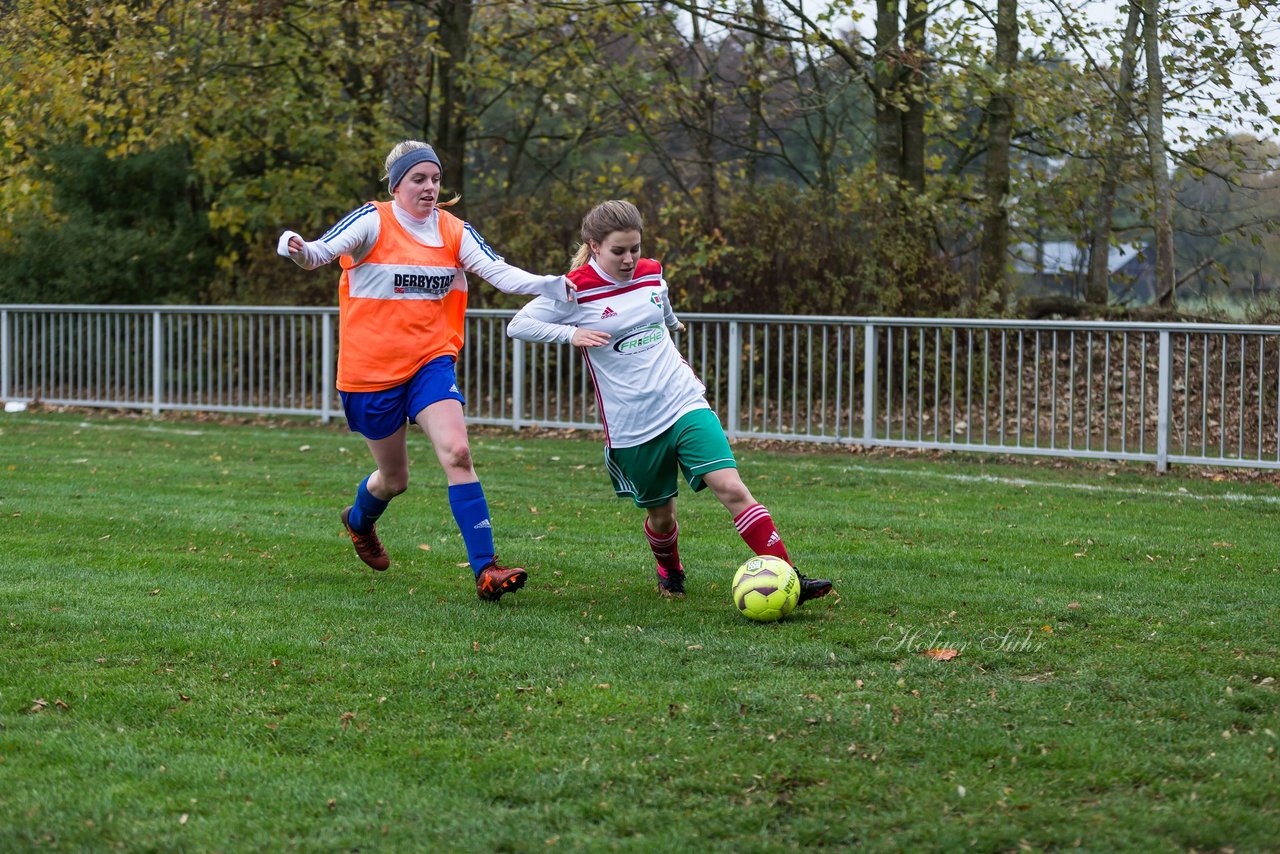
x: 1061, y: 268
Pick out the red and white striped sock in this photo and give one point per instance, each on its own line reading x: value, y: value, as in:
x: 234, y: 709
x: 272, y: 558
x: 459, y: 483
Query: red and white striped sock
x: 665, y: 549
x: 755, y: 526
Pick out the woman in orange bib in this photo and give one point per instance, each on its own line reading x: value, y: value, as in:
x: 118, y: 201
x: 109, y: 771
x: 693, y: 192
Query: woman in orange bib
x: 402, y: 301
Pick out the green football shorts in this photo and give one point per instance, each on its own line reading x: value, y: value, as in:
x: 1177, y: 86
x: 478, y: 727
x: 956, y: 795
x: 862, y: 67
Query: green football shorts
x: 694, y: 445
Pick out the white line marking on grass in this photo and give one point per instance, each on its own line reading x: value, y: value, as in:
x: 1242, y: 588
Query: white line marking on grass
x: 958, y: 478
x: 87, y: 425
x: 150, y: 428
x: 1083, y: 487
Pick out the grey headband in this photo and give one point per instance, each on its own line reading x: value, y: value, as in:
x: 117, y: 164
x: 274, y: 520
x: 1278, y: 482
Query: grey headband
x: 407, y: 161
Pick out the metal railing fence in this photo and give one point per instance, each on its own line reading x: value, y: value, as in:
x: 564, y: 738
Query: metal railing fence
x: 1160, y: 393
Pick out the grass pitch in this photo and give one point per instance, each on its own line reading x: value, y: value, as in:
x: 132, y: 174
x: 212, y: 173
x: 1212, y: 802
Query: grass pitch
x: 194, y: 659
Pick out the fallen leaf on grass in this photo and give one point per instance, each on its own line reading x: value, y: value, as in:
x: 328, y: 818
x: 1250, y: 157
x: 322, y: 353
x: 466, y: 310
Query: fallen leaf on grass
x: 941, y: 654
x: 1037, y: 677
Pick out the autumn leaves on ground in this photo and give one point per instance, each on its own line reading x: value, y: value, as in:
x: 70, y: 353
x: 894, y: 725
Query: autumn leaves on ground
x: 1020, y: 654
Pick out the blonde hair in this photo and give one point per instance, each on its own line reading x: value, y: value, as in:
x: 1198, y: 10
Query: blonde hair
x: 402, y: 148
x: 601, y: 221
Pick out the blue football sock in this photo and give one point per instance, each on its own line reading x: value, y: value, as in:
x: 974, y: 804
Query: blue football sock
x: 366, y: 510
x: 471, y: 512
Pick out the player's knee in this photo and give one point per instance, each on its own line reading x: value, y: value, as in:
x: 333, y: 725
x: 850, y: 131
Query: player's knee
x: 662, y: 523
x: 395, y: 483
x: 457, y: 457
x: 733, y: 492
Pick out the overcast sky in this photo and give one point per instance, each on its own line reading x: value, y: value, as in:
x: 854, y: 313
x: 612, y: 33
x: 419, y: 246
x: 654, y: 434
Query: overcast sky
x: 1112, y: 14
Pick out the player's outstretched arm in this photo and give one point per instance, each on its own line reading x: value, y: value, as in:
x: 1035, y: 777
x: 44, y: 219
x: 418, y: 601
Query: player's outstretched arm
x: 479, y: 258
x: 353, y: 235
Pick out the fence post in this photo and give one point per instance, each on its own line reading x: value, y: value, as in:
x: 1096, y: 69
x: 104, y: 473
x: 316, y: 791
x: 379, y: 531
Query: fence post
x: 517, y: 383
x: 735, y: 378
x: 326, y: 367
x: 157, y: 353
x: 869, y: 371
x: 4, y: 354
x: 1163, y: 421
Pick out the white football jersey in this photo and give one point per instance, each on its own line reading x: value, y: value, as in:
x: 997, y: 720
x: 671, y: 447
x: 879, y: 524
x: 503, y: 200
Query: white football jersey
x: 642, y: 383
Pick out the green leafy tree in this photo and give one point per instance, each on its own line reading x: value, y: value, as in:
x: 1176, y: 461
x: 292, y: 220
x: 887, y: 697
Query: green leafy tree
x: 1227, y: 221
x: 900, y: 143
x: 129, y: 230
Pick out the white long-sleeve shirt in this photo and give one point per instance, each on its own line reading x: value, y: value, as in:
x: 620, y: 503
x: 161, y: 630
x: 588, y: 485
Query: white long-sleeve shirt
x: 357, y: 232
x: 642, y: 383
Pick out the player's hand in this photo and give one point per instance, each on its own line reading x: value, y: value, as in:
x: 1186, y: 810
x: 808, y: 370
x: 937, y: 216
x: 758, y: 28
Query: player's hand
x: 589, y: 338
x: 679, y: 327
x: 295, y: 245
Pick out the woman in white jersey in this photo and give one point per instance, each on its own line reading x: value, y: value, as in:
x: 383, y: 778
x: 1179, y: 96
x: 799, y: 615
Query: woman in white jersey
x: 657, y: 422
x: 402, y: 300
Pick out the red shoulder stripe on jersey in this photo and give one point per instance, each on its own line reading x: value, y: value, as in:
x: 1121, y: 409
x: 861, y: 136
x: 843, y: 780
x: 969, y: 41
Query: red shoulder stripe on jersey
x: 648, y: 267
x: 599, y: 284
x: 616, y: 291
x: 586, y: 278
